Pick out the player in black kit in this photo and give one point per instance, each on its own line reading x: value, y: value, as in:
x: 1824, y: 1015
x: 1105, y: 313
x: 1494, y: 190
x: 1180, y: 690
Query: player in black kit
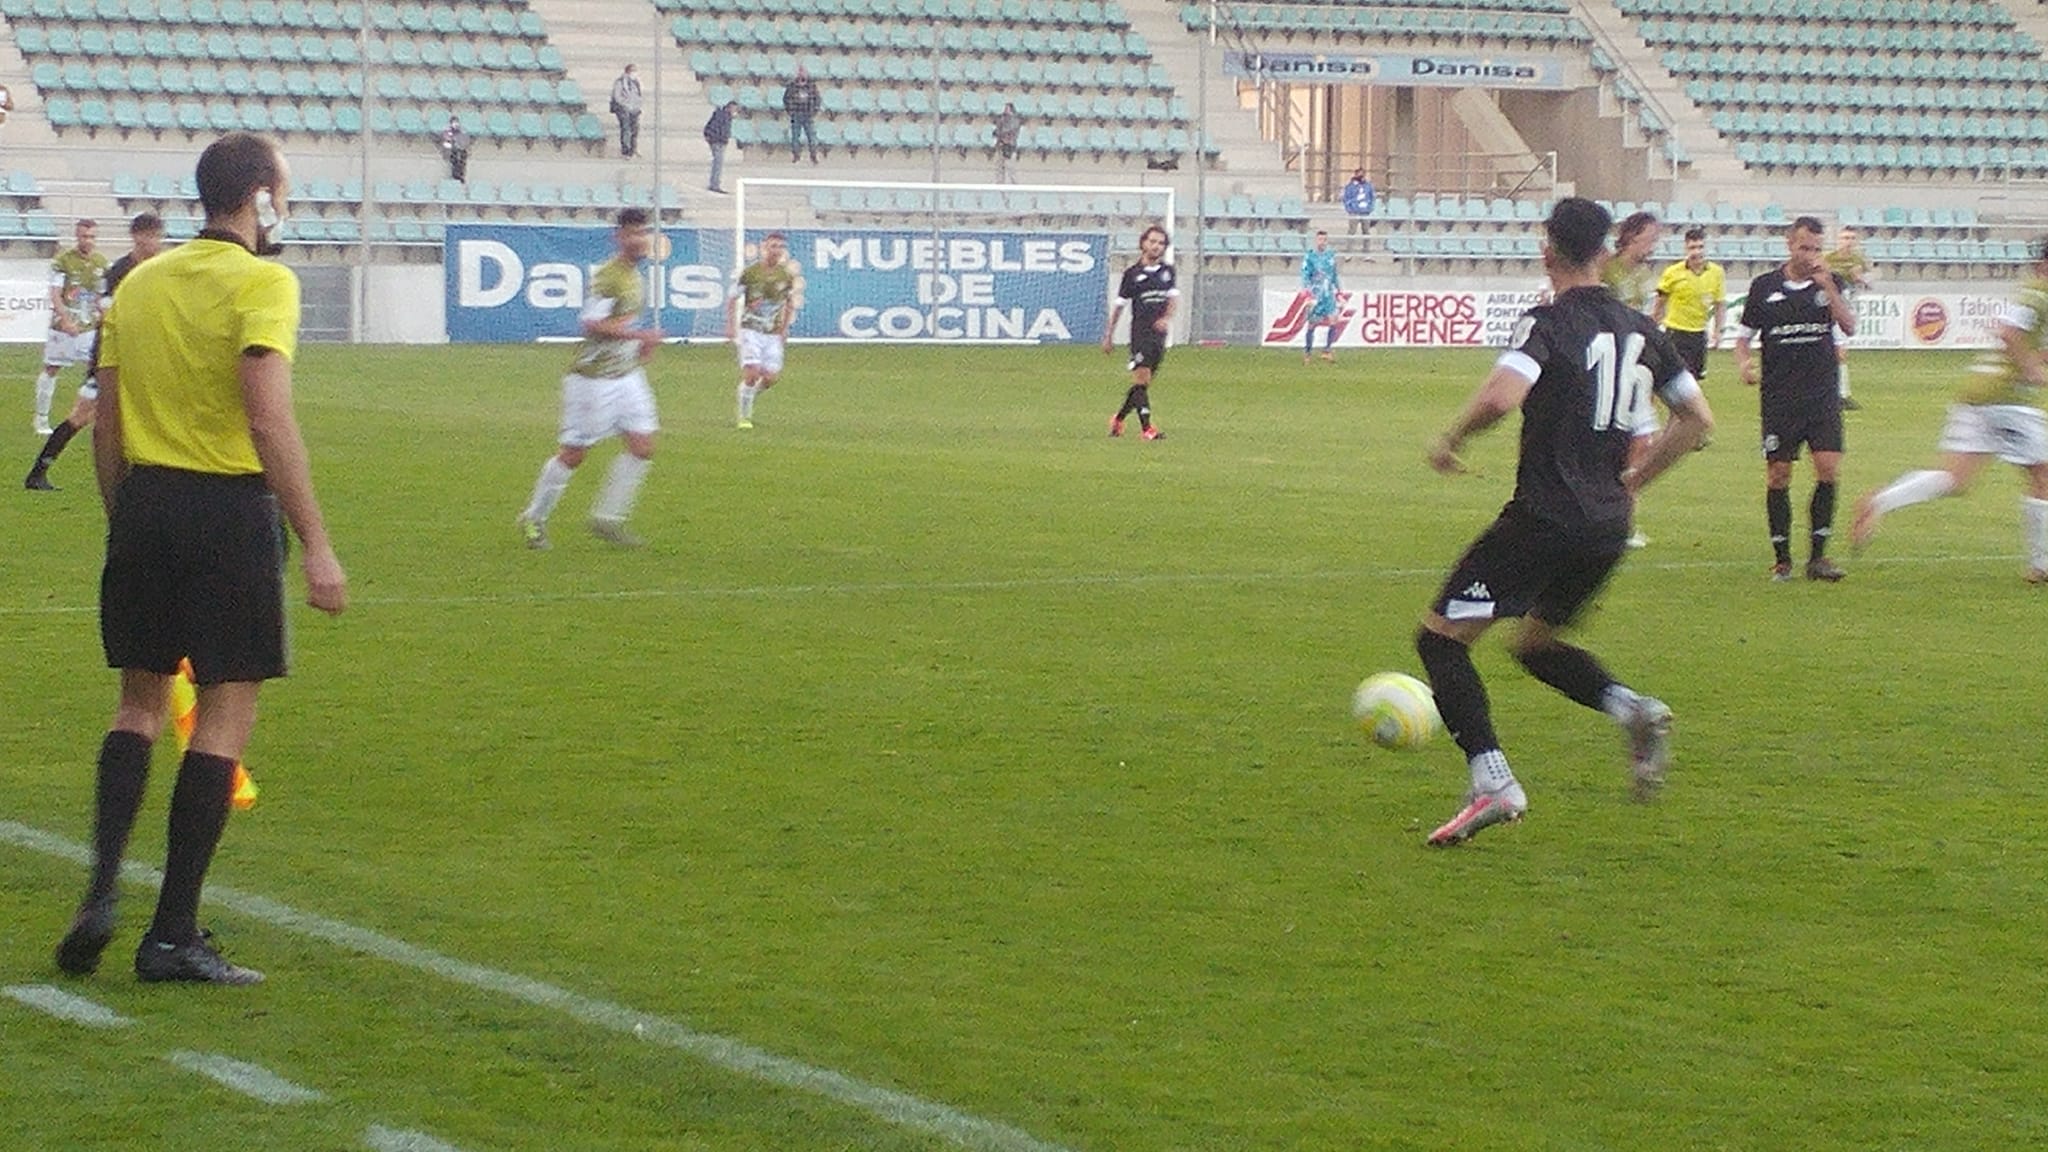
x: 1581, y: 369
x: 1150, y: 287
x: 1794, y: 311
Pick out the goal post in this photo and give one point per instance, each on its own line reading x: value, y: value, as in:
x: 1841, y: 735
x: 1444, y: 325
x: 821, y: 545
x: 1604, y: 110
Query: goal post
x: 910, y: 262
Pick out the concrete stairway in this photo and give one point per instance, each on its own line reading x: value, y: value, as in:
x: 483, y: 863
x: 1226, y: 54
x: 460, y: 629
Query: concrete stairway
x: 1713, y: 158
x: 597, y: 39
x: 1247, y: 163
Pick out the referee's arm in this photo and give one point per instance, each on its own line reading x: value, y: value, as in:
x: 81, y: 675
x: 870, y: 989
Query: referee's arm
x: 109, y: 466
x: 266, y: 376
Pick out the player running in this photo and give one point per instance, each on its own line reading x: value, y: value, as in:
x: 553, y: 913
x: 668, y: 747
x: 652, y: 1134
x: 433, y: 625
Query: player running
x: 1152, y: 290
x: 1581, y: 370
x: 606, y: 394
x: 764, y: 304
x: 1997, y: 413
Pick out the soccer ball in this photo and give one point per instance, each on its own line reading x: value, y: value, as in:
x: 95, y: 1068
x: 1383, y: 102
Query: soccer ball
x: 1396, y: 710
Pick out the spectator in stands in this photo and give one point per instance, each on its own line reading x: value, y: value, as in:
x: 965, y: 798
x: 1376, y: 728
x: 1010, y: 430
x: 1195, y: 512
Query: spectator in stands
x: 1359, y: 200
x: 1852, y: 267
x: 455, y: 146
x: 626, y: 108
x: 800, y: 99
x: 6, y: 103
x: 717, y: 134
x: 1008, y: 125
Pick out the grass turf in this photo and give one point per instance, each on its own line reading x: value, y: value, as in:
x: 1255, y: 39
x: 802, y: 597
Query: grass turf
x: 940, y: 740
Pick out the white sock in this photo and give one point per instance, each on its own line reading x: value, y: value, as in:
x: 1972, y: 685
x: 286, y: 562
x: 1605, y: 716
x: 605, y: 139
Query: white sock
x: 2034, y: 514
x: 547, y: 491
x: 46, y: 388
x: 1619, y: 702
x: 746, y: 394
x: 1913, y: 488
x: 621, y: 485
x: 1842, y: 378
x: 1490, y: 772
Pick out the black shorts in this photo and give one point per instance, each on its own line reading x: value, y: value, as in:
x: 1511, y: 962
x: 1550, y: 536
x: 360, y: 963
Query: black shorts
x: 1815, y: 421
x: 1692, y: 349
x: 1148, y: 350
x: 1523, y: 565
x: 195, y: 568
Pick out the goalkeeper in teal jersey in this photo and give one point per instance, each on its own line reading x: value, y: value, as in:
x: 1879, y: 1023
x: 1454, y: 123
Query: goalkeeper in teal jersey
x: 1997, y: 412
x: 1319, y: 281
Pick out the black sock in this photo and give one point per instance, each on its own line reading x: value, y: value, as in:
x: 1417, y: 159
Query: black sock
x: 1778, y: 505
x: 1460, y: 697
x: 1572, y: 671
x: 54, y: 446
x: 1820, y: 517
x: 1143, y: 395
x: 1130, y: 403
x: 199, y: 813
x: 117, y: 796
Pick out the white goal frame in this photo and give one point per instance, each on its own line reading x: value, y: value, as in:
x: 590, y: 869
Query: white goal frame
x: 1170, y: 221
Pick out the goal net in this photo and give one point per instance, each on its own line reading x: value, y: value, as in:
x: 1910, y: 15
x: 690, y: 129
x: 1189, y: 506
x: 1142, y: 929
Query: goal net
x: 949, y: 263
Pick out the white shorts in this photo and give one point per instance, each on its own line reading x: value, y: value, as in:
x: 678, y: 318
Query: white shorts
x: 594, y: 408
x: 62, y: 348
x: 761, y: 350
x: 2015, y: 433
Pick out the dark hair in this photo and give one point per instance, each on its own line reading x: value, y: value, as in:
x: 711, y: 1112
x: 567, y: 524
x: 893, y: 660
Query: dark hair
x: 85, y: 222
x: 231, y: 170
x: 1321, y: 232
x: 1808, y: 224
x: 145, y: 222
x: 1692, y: 234
x: 1632, y: 226
x: 1155, y: 228
x: 774, y: 236
x: 633, y: 218
x: 1577, y: 230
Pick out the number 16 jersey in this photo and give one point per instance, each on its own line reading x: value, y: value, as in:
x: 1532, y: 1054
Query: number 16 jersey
x: 1592, y: 363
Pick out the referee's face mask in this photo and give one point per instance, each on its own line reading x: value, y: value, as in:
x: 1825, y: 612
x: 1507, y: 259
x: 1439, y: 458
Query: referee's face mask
x: 269, y: 222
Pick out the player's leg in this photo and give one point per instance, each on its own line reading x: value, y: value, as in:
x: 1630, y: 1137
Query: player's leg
x: 46, y: 391
x: 1580, y: 677
x: 1308, y: 337
x: 1778, y: 507
x: 637, y: 425
x: 1484, y: 586
x: 579, y: 431
x: 1145, y: 361
x: 83, y: 411
x: 2034, y: 522
x: 120, y: 776
x: 1824, y: 437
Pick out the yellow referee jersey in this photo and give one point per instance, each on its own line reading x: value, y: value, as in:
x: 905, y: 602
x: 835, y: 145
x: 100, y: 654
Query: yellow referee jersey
x: 176, y: 333
x: 1689, y: 296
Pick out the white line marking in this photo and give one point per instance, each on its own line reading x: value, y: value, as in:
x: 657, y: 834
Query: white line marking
x: 898, y: 1108
x: 382, y: 1139
x: 248, y: 1079
x: 64, y: 1006
x: 1025, y: 583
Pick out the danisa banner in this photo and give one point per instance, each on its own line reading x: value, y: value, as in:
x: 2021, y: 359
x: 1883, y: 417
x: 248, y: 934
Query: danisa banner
x: 526, y: 282
x: 1398, y: 69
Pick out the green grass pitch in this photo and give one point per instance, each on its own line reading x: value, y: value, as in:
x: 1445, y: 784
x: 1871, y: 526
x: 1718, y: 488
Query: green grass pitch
x: 941, y: 741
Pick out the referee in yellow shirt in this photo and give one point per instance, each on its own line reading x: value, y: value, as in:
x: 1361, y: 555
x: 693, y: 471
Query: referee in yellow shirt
x: 1692, y: 303
x: 197, y: 453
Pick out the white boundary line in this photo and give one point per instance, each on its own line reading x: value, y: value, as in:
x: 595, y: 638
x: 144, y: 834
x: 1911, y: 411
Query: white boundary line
x: 248, y: 1079
x: 898, y: 1108
x: 1023, y: 583
x: 65, y: 1006
x: 382, y: 1139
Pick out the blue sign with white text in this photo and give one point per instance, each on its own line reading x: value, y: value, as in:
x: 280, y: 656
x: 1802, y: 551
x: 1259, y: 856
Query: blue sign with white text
x: 510, y: 282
